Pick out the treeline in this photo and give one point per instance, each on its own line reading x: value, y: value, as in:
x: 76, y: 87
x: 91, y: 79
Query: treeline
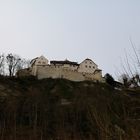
x: 126, y: 81
x: 11, y: 63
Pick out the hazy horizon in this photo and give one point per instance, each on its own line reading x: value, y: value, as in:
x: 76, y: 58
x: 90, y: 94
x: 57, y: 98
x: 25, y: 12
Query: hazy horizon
x: 75, y: 29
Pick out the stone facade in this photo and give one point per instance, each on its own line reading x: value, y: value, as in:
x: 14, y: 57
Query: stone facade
x: 52, y: 72
x: 87, y: 70
x: 87, y: 66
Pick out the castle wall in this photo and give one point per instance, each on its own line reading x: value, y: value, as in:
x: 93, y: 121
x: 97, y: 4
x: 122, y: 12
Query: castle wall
x: 59, y: 72
x: 73, y: 75
x: 95, y: 76
x: 56, y: 72
x: 23, y: 72
x: 51, y: 72
x: 34, y: 70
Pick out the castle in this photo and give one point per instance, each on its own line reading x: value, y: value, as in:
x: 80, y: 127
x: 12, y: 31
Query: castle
x: 41, y: 68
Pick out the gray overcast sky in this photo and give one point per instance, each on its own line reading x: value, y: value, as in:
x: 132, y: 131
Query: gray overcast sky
x: 73, y: 29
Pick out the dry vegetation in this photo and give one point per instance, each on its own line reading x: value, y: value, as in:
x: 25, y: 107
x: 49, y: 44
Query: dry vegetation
x: 62, y: 110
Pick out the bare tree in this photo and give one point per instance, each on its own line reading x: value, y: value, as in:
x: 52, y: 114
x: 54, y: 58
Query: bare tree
x: 131, y: 68
x: 125, y: 79
x: 2, y: 58
x: 12, y: 61
x: 23, y: 64
x: 135, y: 80
x: 135, y: 52
x: 2, y: 64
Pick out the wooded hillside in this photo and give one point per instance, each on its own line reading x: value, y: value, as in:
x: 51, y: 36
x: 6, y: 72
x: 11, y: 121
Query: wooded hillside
x: 48, y: 109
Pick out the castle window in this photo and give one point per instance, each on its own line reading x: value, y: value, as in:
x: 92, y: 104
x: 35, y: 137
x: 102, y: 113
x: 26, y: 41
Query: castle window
x: 86, y: 66
x: 93, y: 67
x: 89, y: 66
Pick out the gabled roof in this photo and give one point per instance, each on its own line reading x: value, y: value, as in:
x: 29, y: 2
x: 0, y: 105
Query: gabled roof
x: 89, y: 60
x: 33, y: 59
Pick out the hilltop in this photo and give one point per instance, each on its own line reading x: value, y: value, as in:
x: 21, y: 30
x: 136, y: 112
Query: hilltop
x: 59, y: 109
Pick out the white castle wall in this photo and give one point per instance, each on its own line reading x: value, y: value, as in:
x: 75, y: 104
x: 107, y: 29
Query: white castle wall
x: 51, y: 72
x: 96, y: 76
x: 55, y: 72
